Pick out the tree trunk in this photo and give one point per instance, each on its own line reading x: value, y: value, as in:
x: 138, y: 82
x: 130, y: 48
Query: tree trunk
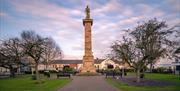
x: 12, y: 72
x: 138, y: 75
x: 46, y: 64
x: 32, y: 71
x: 151, y: 66
x: 123, y: 72
x: 37, y: 72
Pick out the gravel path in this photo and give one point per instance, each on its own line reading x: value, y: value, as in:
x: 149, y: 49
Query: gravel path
x: 88, y: 83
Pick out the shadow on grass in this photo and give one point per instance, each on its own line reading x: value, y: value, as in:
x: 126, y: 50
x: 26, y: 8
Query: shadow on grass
x: 157, y: 77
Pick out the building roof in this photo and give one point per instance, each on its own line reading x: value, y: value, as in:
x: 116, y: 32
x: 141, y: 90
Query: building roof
x: 96, y: 61
x: 66, y: 62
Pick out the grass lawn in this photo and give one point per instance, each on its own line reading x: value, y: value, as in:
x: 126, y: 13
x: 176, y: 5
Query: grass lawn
x: 24, y: 83
x: 161, y: 77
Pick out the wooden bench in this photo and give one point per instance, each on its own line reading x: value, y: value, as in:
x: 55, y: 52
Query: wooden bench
x: 4, y: 75
x: 47, y: 74
x: 113, y: 74
x: 63, y: 74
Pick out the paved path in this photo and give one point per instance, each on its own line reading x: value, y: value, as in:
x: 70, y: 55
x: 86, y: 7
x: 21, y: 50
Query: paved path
x: 89, y: 83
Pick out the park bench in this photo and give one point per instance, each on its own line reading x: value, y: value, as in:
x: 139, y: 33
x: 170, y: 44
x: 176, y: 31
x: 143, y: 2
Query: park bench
x: 109, y: 74
x: 47, y: 74
x: 63, y: 74
x: 4, y: 75
x: 113, y: 74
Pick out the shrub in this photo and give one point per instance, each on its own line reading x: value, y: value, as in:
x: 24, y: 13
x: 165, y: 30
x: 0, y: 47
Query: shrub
x: 52, y: 71
x: 161, y: 69
x: 68, y: 69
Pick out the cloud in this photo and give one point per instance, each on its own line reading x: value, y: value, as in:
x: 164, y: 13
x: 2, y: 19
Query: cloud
x: 111, y: 6
x: 59, y: 22
x: 2, y: 14
x: 46, y: 11
x: 174, y: 4
x: 63, y: 21
x: 150, y: 11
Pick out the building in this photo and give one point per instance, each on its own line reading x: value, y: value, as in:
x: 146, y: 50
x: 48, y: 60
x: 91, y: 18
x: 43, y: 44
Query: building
x: 78, y: 64
x: 3, y: 70
x: 105, y: 63
x: 60, y: 64
x: 176, y: 66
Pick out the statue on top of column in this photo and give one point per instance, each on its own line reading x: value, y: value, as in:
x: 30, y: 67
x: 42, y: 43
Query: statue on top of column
x: 87, y: 12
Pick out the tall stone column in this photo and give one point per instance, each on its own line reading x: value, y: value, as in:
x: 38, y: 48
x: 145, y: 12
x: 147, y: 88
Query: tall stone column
x: 88, y: 59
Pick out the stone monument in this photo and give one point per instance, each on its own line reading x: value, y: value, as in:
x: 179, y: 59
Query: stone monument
x: 88, y: 59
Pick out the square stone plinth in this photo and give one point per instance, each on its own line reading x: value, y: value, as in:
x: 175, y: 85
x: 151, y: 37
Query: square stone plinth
x: 88, y: 64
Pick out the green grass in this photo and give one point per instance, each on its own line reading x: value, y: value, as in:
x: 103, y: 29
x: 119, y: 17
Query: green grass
x: 164, y: 77
x: 160, y: 77
x: 24, y: 83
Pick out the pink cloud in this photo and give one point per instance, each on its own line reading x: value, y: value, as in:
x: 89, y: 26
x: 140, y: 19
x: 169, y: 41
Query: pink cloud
x: 174, y: 4
x: 67, y: 30
x: 2, y: 14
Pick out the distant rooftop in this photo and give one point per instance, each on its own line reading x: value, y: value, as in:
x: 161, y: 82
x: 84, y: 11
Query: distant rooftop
x: 96, y: 61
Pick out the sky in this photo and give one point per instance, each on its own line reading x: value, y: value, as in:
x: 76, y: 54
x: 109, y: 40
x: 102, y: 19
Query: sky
x: 62, y: 20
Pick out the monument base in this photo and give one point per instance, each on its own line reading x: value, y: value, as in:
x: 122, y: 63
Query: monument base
x: 88, y: 65
x: 91, y: 69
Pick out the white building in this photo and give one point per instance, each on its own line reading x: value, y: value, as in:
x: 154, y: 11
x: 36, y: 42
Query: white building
x: 77, y: 64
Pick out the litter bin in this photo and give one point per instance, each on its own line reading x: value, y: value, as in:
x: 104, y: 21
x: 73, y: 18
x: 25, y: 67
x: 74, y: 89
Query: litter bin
x: 33, y: 77
x: 141, y: 75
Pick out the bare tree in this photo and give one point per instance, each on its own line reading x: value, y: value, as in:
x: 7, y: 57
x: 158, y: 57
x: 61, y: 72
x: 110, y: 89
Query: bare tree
x: 11, y: 54
x: 33, y: 46
x: 149, y: 38
x: 51, y: 51
x: 128, y: 52
x: 148, y: 46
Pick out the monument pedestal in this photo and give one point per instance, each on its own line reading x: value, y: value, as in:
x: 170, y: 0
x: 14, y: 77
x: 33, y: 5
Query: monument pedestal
x: 88, y: 65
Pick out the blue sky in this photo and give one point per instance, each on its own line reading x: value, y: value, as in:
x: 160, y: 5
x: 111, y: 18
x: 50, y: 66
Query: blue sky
x: 62, y: 20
